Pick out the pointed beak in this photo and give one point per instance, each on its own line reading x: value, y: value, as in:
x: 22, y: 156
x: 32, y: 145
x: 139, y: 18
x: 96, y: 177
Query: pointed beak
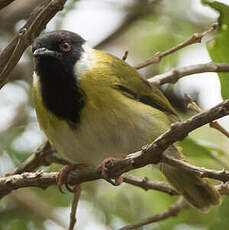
x: 46, y: 53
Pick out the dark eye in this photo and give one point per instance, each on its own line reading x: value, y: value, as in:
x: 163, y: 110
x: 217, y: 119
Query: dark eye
x: 65, y: 47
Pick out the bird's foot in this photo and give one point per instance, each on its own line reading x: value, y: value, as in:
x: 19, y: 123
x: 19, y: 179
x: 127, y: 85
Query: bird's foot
x: 103, y: 168
x: 62, y: 177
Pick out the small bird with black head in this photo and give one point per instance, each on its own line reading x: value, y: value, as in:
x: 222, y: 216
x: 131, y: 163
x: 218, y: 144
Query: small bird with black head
x: 92, y: 105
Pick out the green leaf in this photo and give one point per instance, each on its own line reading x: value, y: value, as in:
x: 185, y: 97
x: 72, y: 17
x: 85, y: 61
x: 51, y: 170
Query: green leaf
x: 218, y: 48
x: 203, y: 153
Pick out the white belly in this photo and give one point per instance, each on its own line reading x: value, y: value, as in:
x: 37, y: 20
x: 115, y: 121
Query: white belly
x: 109, y: 134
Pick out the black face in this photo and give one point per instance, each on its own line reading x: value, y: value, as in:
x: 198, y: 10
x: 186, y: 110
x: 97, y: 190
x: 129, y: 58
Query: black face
x: 55, y: 54
x: 62, y: 45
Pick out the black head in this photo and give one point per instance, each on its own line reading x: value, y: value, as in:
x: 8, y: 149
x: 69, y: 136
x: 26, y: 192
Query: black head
x: 61, y: 47
x: 55, y: 54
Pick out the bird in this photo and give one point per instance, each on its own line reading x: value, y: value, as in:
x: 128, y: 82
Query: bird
x: 92, y: 105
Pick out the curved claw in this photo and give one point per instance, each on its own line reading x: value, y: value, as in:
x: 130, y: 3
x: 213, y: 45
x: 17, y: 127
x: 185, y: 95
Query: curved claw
x: 103, y: 170
x: 62, y: 177
x: 69, y: 188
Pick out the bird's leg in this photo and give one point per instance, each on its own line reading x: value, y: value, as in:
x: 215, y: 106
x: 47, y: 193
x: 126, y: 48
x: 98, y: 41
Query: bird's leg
x: 77, y: 191
x: 62, y: 177
x: 103, y: 168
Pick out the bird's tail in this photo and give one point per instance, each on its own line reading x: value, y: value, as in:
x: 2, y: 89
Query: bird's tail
x: 197, y: 191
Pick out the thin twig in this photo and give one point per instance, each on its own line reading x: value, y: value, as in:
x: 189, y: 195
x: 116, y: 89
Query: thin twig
x: 19, y: 39
x: 175, y: 74
x: 196, y: 38
x: 214, y: 124
x: 5, y: 3
x: 222, y: 175
x: 165, y: 187
x: 171, y: 212
x: 174, y: 210
x: 38, y: 158
x: 146, y: 184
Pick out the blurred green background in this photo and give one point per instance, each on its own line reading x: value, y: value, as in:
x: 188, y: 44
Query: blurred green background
x: 143, y: 27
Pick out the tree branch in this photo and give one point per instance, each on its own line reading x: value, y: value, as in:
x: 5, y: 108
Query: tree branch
x: 171, y: 212
x: 44, y: 180
x: 38, y: 158
x: 196, y: 38
x: 5, y: 3
x: 165, y: 187
x: 146, y: 184
x: 35, y: 24
x: 174, y: 210
x: 222, y: 175
x: 175, y: 74
x: 214, y: 124
x: 150, y: 154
